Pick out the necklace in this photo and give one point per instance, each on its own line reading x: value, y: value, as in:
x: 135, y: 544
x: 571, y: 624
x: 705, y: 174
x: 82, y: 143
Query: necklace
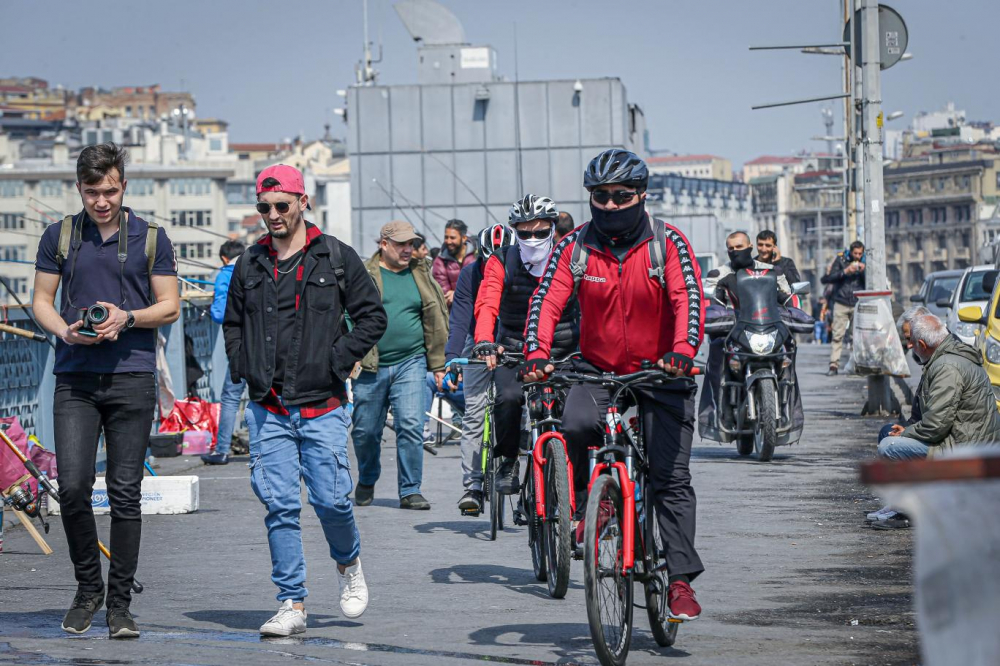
x: 290, y: 268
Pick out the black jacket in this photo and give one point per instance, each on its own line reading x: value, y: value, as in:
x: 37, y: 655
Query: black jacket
x: 844, y: 285
x: 321, y: 353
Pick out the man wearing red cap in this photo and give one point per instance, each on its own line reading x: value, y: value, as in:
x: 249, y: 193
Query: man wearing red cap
x: 286, y: 336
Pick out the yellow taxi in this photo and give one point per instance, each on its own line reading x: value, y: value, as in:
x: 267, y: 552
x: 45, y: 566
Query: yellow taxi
x: 988, y: 338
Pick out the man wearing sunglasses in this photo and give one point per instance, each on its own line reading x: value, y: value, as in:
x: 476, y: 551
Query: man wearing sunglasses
x: 632, y: 309
x: 286, y: 336
x: 509, y: 280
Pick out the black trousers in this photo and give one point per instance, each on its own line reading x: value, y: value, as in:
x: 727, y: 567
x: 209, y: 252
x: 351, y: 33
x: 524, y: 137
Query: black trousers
x: 507, y: 410
x: 668, y: 428
x: 122, y: 406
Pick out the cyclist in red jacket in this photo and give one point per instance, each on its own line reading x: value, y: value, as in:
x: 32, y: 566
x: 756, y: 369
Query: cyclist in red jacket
x: 630, y: 311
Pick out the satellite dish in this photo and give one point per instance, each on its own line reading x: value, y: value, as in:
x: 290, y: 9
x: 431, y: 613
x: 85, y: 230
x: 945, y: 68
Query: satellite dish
x: 430, y: 22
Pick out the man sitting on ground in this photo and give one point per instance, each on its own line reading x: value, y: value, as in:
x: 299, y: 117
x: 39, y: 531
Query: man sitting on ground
x: 956, y: 401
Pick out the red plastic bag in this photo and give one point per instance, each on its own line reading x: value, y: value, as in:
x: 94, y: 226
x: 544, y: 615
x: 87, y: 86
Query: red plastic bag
x: 192, y: 414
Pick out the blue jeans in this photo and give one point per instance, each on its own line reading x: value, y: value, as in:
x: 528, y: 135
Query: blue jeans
x: 283, y: 448
x: 403, y: 387
x: 819, y: 332
x: 230, y: 407
x: 902, y: 448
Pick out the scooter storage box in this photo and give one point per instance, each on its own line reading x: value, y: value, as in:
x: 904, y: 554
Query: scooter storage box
x: 167, y: 445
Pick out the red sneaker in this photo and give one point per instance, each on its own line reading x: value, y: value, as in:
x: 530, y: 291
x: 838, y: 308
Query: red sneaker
x: 682, y: 602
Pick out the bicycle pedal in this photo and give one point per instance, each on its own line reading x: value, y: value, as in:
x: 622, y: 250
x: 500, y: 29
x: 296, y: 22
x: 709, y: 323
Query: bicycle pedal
x: 471, y: 513
x: 675, y: 620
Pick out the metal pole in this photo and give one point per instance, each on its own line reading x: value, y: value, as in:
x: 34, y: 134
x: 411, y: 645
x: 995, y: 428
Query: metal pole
x: 880, y: 398
x: 857, y: 127
x: 845, y: 73
x: 820, y: 251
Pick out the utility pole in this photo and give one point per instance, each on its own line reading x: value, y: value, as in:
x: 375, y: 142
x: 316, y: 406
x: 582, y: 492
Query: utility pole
x: 871, y: 91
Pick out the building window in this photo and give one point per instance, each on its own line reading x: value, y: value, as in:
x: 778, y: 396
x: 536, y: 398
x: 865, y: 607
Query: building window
x: 241, y: 193
x: 194, y: 250
x: 939, y: 215
x: 215, y: 145
x: 915, y: 217
x: 189, y: 187
x: 914, y: 185
x: 895, y: 246
x: 11, y: 188
x: 963, y: 213
x: 11, y: 221
x: 191, y: 218
x: 141, y: 187
x: 50, y: 188
x: 14, y: 252
x: 939, y: 184
x: 918, y: 243
x: 892, y: 218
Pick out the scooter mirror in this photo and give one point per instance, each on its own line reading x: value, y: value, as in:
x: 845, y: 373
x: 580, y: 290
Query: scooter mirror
x: 801, y: 288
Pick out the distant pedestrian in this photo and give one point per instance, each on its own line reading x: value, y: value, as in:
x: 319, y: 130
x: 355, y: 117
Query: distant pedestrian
x: 232, y: 392
x: 819, y: 318
x: 421, y: 250
x: 286, y: 336
x: 393, y: 373
x: 564, y: 225
x: 457, y: 252
x: 847, y: 275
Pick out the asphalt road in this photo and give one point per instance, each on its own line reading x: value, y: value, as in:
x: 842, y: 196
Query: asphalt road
x: 793, y: 576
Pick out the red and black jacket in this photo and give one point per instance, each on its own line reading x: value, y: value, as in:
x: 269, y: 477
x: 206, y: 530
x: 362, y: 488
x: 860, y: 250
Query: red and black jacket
x: 503, y: 302
x: 626, y: 317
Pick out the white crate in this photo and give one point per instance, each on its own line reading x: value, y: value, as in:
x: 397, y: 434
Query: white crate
x: 160, y: 495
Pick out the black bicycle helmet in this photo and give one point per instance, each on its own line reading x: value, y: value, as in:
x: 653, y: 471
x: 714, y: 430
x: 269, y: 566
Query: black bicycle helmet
x: 532, y: 207
x: 616, y: 166
x: 494, y: 238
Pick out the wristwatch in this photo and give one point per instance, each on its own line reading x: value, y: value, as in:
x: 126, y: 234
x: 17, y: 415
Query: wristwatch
x: 130, y: 319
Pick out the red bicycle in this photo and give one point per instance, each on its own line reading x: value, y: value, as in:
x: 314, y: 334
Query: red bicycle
x: 622, y: 542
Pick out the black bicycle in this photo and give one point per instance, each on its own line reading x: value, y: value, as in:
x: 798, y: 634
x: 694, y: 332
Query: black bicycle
x: 622, y: 542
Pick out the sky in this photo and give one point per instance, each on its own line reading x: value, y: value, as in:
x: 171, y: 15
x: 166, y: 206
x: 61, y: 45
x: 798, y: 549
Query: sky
x: 272, y: 69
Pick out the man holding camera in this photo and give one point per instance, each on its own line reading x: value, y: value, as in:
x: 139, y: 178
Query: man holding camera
x: 119, y: 283
x: 846, y: 276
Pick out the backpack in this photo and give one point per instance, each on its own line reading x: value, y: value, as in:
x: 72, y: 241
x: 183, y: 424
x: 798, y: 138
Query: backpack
x: 66, y: 238
x: 657, y: 255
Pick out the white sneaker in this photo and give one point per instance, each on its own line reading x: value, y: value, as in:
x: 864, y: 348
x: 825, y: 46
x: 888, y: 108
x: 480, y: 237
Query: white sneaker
x: 353, y: 591
x: 288, y: 621
x: 882, y: 514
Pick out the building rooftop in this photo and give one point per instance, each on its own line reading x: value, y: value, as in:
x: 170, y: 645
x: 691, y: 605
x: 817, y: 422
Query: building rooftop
x: 682, y: 159
x: 257, y: 147
x: 774, y: 159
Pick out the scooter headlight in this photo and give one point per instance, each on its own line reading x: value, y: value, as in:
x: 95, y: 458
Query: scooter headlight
x: 762, y: 343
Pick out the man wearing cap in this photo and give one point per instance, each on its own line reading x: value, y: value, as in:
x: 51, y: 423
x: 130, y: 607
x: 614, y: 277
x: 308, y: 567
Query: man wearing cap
x: 286, y: 337
x: 393, y: 374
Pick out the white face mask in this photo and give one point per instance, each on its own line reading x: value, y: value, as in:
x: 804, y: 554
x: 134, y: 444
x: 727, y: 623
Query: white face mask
x: 535, y: 254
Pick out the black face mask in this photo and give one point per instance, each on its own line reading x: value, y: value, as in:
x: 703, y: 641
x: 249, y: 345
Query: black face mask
x: 741, y: 258
x: 618, y: 227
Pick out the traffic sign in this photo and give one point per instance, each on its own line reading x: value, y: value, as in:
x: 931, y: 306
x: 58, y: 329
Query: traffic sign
x: 893, y: 36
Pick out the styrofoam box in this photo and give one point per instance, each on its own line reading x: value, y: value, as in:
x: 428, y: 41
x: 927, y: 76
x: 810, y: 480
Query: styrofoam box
x: 160, y: 495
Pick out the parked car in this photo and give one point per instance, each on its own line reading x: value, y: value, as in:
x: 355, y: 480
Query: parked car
x: 970, y: 292
x: 936, y: 291
x: 988, y: 340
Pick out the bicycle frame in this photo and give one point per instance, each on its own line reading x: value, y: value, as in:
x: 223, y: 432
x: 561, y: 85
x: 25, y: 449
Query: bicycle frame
x: 538, y: 454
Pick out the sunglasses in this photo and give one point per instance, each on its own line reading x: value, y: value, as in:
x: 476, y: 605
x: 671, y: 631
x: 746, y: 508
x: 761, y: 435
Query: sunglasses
x: 539, y: 234
x: 265, y: 208
x: 620, y: 197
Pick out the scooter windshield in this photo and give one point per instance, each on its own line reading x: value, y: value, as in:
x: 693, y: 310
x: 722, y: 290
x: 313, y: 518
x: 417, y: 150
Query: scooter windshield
x: 757, y: 296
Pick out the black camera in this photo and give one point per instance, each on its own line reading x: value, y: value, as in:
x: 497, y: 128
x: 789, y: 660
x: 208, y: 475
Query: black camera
x: 92, y: 316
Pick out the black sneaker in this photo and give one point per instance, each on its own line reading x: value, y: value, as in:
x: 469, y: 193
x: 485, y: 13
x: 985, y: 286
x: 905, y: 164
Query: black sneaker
x: 507, y: 481
x: 415, y: 502
x: 832, y: 372
x: 81, y: 613
x: 471, y: 503
x: 120, y: 622
x: 363, y: 495
x: 897, y: 522
x: 215, y: 459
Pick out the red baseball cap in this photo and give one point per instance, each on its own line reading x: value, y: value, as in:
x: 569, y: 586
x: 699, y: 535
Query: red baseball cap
x: 289, y: 180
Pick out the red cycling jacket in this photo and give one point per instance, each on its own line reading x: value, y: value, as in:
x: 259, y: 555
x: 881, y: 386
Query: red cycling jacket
x: 625, y: 315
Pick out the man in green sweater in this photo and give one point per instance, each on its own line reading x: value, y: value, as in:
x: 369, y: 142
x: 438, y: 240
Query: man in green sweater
x: 394, y: 373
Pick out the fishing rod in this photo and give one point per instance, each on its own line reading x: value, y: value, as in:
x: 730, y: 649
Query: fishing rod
x: 26, y: 500
x: 6, y: 285
x: 465, y: 185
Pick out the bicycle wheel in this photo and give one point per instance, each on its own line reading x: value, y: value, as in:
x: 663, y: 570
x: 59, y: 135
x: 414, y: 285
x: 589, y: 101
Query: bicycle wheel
x: 536, y: 539
x: 664, y: 631
x: 556, y: 526
x: 608, y: 587
x: 495, y: 500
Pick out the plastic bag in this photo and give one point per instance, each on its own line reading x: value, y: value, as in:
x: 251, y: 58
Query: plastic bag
x: 877, y: 349
x: 192, y: 414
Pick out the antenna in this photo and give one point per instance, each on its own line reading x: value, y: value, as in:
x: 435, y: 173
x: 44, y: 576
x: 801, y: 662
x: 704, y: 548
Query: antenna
x: 366, y: 74
x: 517, y: 120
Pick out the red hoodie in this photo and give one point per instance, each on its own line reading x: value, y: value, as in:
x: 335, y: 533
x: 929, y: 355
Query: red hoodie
x: 625, y: 315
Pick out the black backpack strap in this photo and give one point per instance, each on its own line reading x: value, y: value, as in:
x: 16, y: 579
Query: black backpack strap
x: 65, y: 237
x: 578, y: 260
x: 658, y: 252
x: 337, y: 263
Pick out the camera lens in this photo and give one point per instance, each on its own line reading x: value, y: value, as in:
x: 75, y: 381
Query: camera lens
x: 97, y: 314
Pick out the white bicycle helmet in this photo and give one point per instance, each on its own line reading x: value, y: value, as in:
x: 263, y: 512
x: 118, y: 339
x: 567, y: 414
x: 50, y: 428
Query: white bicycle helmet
x: 494, y: 238
x: 532, y: 207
